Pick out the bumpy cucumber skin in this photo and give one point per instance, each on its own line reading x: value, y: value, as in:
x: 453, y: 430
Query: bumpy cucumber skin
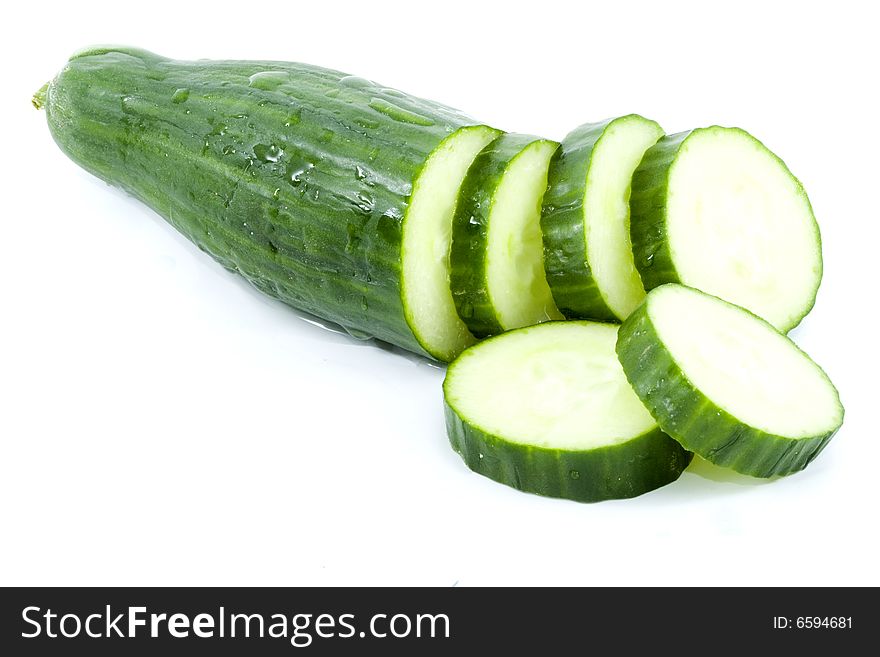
x: 693, y: 420
x: 470, y: 233
x: 294, y: 176
x: 562, y: 223
x: 638, y: 466
x: 647, y: 208
x: 648, y: 230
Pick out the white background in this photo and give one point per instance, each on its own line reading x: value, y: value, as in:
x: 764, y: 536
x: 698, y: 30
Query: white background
x: 162, y: 423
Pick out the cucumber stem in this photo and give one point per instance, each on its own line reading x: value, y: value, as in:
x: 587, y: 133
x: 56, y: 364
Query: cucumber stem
x: 39, y: 98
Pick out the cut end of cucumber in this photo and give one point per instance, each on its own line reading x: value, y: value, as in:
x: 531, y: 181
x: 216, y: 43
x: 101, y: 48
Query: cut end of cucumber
x: 740, y: 226
x: 515, y: 275
x: 427, y: 235
x: 741, y: 363
x: 556, y: 386
x: 615, y: 157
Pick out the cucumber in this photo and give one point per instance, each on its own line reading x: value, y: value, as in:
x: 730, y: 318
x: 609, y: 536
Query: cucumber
x: 726, y: 384
x: 496, y: 262
x: 714, y: 209
x: 329, y: 192
x: 585, y: 222
x: 547, y: 409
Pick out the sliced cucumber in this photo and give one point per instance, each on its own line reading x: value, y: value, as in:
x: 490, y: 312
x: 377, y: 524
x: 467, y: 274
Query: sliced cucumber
x: 588, y: 252
x: 726, y: 384
x: 427, y: 237
x: 547, y: 409
x: 714, y: 209
x: 324, y: 190
x: 496, y: 263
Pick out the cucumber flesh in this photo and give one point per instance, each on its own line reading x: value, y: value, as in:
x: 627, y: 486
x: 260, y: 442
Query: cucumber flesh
x: 589, y: 255
x: 547, y: 409
x: 606, y: 210
x: 714, y: 209
x: 726, y: 384
x: 427, y: 238
x: 515, y: 257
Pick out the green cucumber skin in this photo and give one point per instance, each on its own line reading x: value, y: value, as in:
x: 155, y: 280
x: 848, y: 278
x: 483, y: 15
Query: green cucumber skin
x: 642, y: 464
x: 470, y: 233
x: 298, y: 178
x: 647, y: 207
x: 697, y: 423
x: 562, y: 223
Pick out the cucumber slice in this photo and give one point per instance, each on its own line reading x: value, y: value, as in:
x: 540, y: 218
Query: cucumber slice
x: 588, y: 253
x: 496, y: 263
x: 726, y: 384
x: 714, y: 209
x: 427, y: 237
x: 547, y: 409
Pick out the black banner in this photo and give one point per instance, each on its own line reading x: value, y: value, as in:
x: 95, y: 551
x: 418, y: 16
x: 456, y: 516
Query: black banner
x: 339, y: 621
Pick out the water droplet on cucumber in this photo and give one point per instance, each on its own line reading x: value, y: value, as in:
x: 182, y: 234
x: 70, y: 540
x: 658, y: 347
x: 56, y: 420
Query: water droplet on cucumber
x: 268, y: 80
x: 367, y: 124
x: 296, y: 174
x: 180, y: 96
x: 398, y: 113
x: 268, y: 153
x: 355, y: 82
x: 364, y: 202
